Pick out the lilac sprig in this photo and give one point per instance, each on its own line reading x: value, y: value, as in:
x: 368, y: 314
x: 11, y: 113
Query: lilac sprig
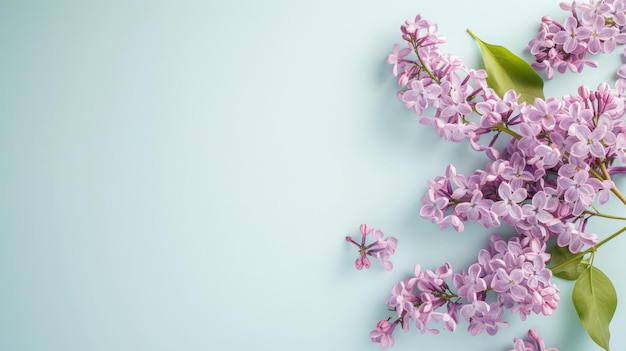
x: 594, y: 27
x: 508, y: 275
x: 432, y: 80
x: 556, y: 165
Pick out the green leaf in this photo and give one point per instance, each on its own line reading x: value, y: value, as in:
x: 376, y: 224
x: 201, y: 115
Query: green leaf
x: 595, y: 301
x: 564, y: 269
x: 506, y: 71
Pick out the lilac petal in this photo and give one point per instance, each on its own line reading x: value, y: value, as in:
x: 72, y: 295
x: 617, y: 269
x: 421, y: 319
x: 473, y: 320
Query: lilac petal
x: 518, y: 291
x: 597, y: 150
x: 570, y: 45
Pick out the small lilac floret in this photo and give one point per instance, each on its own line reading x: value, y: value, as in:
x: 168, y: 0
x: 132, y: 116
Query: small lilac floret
x: 381, y: 249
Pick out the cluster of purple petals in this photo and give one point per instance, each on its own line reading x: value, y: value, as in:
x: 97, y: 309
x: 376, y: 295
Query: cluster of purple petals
x: 556, y: 164
x: 554, y: 167
x: 380, y: 248
x: 593, y: 27
x: 508, y: 275
x: 441, y: 89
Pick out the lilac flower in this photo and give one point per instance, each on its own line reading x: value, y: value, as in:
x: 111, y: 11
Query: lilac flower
x: 401, y: 299
x: 492, y: 320
x: 530, y: 138
x: 455, y: 102
x: 388, y: 244
x: 599, y: 32
x: 536, y: 211
x: 536, y: 272
x: 433, y: 206
x: 541, y: 181
x: 516, y: 172
x: 449, y: 322
x: 396, y: 58
x: 382, y: 333
x: 573, y: 166
x: 474, y: 308
x: 589, y: 142
x: 521, y: 345
x: 535, y: 343
x: 421, y: 94
x: 577, y: 115
x: 471, y: 284
x: 545, y: 156
x: 617, y: 15
x: 577, y: 191
x: 574, y: 238
x: 572, y: 35
x: 620, y: 87
x: 539, y: 343
x: 594, y: 10
x: 510, y: 283
x: 435, y: 281
x: 620, y: 147
x: 452, y: 220
x: 544, y: 112
x: 478, y: 209
x: 602, y: 189
x: 381, y: 248
x: 508, y: 206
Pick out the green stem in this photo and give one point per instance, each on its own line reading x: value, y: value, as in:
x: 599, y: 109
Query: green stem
x: 416, y: 50
x: 579, y: 255
x: 502, y: 128
x: 575, y: 258
x: 605, y: 240
x: 614, y: 189
x: 603, y: 215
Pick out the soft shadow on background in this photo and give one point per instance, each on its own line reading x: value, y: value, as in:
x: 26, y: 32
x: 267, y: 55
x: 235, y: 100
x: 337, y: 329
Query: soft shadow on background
x: 181, y: 175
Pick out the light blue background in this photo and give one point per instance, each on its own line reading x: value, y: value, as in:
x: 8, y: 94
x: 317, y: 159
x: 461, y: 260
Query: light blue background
x: 180, y: 175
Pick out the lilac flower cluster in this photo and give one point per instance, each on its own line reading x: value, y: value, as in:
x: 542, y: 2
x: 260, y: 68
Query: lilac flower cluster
x: 511, y: 273
x: 557, y: 163
x: 597, y: 26
x: 381, y: 249
x: 543, y: 182
x: 442, y: 82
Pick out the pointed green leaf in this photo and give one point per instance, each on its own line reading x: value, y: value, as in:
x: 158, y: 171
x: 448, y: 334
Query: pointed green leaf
x: 506, y: 71
x: 562, y: 268
x: 595, y: 301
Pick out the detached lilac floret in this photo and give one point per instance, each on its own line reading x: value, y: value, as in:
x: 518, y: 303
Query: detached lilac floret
x: 381, y: 249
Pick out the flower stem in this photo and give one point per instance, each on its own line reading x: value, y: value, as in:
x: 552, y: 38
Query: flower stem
x: 603, y: 215
x: 605, y: 240
x: 502, y: 128
x: 416, y: 50
x: 614, y: 189
x: 591, y: 249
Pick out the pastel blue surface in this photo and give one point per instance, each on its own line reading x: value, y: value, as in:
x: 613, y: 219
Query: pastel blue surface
x: 180, y: 175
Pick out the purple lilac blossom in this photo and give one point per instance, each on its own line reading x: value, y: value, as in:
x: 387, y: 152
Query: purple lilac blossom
x: 593, y: 27
x: 542, y: 183
x: 381, y: 249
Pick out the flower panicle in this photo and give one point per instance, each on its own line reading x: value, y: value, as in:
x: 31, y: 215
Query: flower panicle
x: 544, y: 181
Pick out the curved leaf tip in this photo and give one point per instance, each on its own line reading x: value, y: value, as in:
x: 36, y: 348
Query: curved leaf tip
x: 507, y: 71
